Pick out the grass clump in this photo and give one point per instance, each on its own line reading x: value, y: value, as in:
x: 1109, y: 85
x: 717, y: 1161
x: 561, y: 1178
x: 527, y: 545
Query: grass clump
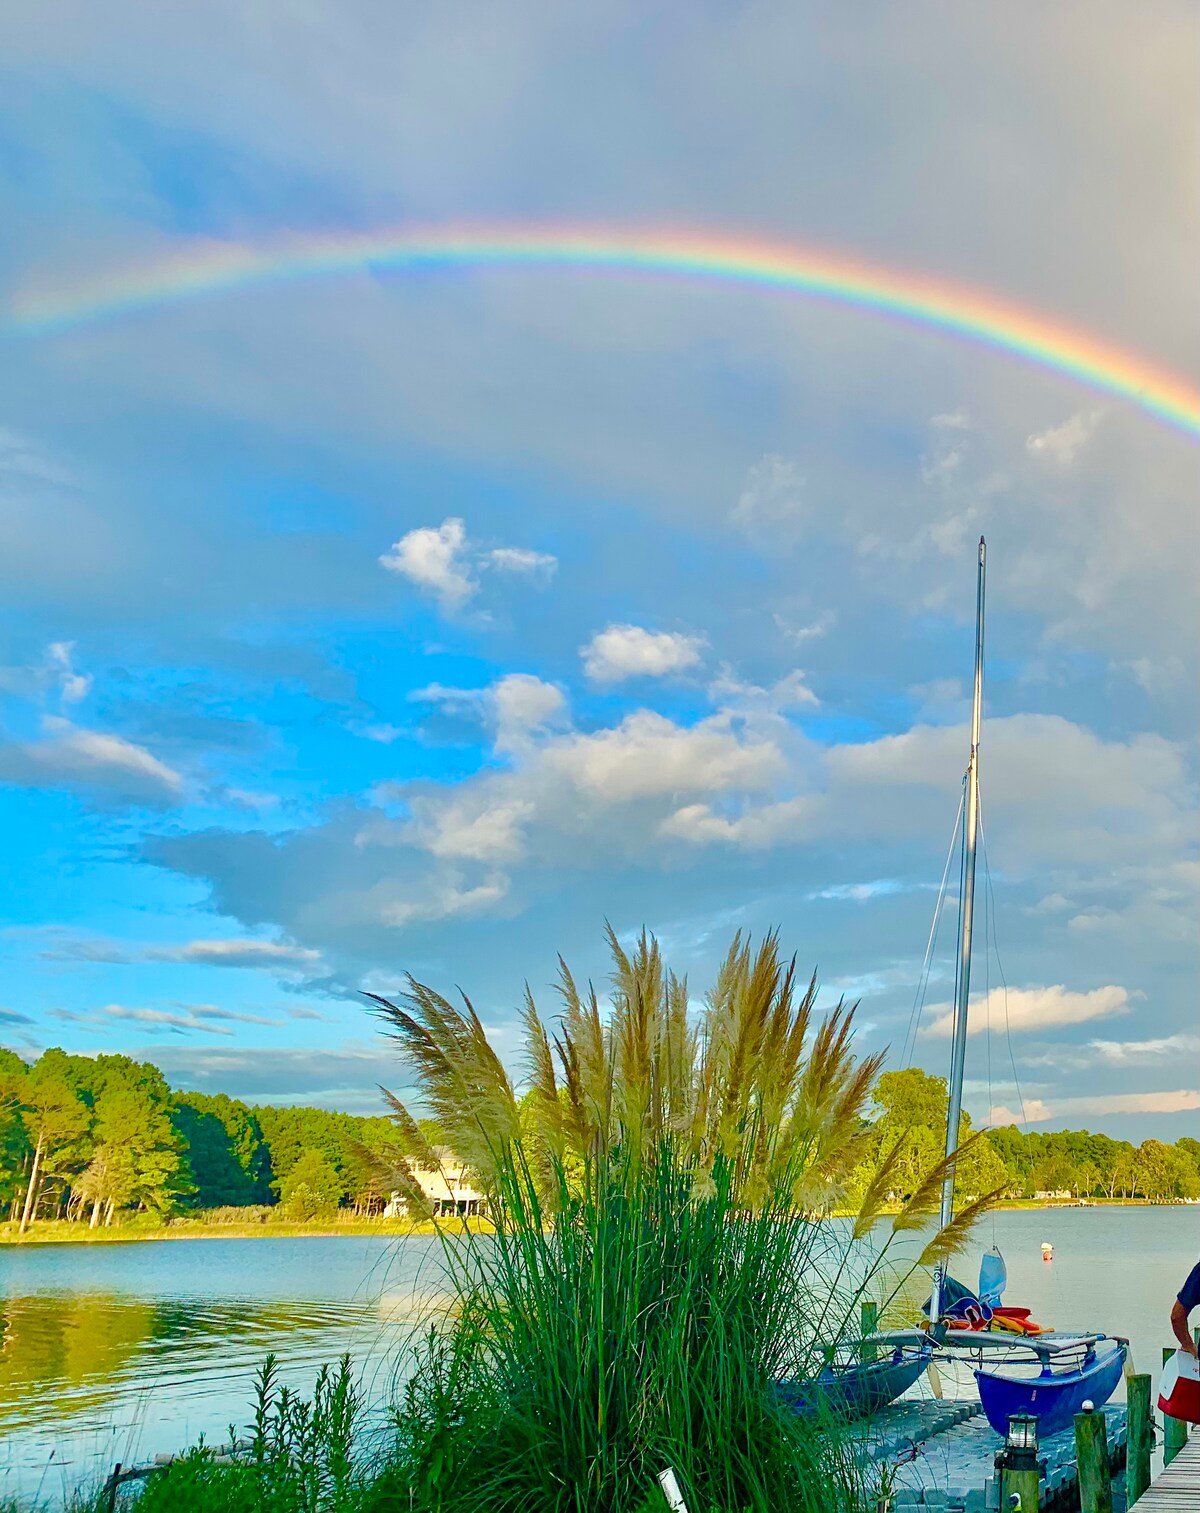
x: 300, y: 1457
x: 659, y: 1260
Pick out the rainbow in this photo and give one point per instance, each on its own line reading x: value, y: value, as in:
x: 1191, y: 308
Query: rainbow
x: 921, y: 301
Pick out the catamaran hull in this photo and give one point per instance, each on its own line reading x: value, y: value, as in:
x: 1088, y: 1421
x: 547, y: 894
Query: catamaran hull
x: 1053, y: 1400
x: 855, y: 1391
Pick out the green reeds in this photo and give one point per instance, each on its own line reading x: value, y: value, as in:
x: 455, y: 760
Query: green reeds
x: 300, y: 1457
x: 661, y: 1255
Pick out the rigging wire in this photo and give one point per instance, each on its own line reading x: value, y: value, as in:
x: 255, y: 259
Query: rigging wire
x: 988, y: 927
x: 991, y: 899
x: 914, y: 1018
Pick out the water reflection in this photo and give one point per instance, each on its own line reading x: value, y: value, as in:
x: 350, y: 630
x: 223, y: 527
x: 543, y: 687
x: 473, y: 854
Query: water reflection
x: 167, y: 1350
x: 116, y: 1352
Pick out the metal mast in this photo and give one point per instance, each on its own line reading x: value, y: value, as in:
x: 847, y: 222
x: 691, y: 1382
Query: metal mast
x: 966, y: 913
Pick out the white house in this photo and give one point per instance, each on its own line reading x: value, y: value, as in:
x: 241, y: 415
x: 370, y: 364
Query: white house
x: 448, y: 1188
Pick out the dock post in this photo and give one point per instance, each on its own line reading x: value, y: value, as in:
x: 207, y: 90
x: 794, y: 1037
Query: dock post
x: 1020, y: 1489
x: 1137, y: 1453
x: 1091, y: 1457
x: 1175, y: 1431
x: 870, y: 1322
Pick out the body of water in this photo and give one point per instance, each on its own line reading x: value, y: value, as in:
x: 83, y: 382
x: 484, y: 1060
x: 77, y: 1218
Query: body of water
x: 116, y: 1352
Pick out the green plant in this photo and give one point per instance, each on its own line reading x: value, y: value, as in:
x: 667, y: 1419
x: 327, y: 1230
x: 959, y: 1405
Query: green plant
x: 300, y: 1456
x: 660, y: 1258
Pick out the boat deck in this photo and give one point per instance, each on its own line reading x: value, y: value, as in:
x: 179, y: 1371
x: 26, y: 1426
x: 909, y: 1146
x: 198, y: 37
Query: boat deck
x: 954, y: 1466
x: 1176, y: 1489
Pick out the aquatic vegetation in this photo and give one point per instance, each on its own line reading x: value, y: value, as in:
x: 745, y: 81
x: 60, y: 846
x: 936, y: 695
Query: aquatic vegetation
x: 660, y: 1257
x: 301, y: 1456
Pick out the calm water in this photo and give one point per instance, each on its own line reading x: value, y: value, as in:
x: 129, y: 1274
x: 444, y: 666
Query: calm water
x: 116, y: 1352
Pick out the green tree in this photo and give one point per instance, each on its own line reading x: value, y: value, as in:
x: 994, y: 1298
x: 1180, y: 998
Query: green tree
x: 912, y: 1097
x: 227, y: 1156
x: 57, y: 1120
x: 15, y: 1150
x: 981, y: 1170
x: 1152, y: 1169
x: 313, y: 1187
x: 1191, y: 1149
x: 139, y: 1148
x: 1182, y: 1174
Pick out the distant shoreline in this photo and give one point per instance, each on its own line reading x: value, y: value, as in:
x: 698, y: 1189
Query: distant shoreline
x: 66, y: 1232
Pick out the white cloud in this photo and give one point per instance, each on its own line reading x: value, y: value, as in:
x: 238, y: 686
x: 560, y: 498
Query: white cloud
x: 941, y: 467
x: 772, y: 506
x: 250, y: 798
x: 441, y: 561
x: 758, y: 828
x: 1061, y: 444
x: 518, y: 706
x: 1038, y: 1110
x: 156, y: 1019
x: 648, y: 755
x: 1137, y: 1052
x: 789, y: 692
x: 805, y: 630
x: 432, y: 558
x: 524, y: 706
x: 72, y: 686
x: 237, y: 953
x: 446, y: 901
x: 860, y: 893
x: 473, y: 826
x: 73, y: 754
x: 383, y: 734
x: 518, y: 559
x: 1032, y: 1009
x: 630, y: 651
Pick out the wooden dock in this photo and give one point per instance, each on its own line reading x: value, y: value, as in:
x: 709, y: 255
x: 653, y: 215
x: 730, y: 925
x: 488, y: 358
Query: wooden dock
x: 1177, y: 1488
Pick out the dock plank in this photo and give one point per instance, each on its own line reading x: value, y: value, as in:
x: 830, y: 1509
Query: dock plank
x: 1178, y: 1486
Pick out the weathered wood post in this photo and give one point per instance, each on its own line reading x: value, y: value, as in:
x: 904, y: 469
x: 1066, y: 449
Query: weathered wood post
x: 1141, y: 1425
x: 1019, y: 1465
x: 1091, y: 1456
x: 1020, y: 1490
x: 870, y: 1322
x: 1175, y: 1431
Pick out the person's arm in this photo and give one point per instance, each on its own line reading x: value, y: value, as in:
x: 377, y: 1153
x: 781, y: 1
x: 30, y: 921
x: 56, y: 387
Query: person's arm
x: 1179, y: 1323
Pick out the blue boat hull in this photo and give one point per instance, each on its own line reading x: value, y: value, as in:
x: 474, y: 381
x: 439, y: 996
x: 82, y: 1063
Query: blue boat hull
x: 855, y: 1391
x: 1053, y: 1400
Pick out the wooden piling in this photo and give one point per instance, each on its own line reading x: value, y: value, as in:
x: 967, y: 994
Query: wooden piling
x: 1141, y: 1437
x: 870, y: 1322
x: 1024, y: 1486
x: 1091, y: 1457
x: 1175, y: 1430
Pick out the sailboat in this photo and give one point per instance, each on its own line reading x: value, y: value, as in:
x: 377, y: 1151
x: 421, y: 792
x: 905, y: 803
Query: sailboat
x: 1044, y: 1374
x: 1021, y: 1367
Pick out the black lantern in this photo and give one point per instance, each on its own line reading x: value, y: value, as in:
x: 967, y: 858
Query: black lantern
x: 1021, y: 1442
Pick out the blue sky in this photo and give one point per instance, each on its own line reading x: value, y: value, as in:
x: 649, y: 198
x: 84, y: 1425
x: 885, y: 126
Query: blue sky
x: 382, y: 624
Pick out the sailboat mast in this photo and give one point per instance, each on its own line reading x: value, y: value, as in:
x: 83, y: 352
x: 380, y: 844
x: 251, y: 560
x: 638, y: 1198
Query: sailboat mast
x: 966, y: 915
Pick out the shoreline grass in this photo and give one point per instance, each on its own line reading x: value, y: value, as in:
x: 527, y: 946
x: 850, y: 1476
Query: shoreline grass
x: 65, y: 1232
x: 70, y: 1232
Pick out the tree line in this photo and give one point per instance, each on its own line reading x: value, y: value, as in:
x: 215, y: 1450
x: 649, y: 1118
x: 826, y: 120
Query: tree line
x: 92, y: 1138
x: 97, y: 1138
x: 911, y: 1108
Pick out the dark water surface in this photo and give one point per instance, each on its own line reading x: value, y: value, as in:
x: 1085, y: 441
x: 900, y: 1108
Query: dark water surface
x: 116, y: 1352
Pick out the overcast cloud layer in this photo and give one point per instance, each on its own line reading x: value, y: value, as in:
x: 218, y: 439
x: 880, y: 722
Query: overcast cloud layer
x: 377, y: 624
